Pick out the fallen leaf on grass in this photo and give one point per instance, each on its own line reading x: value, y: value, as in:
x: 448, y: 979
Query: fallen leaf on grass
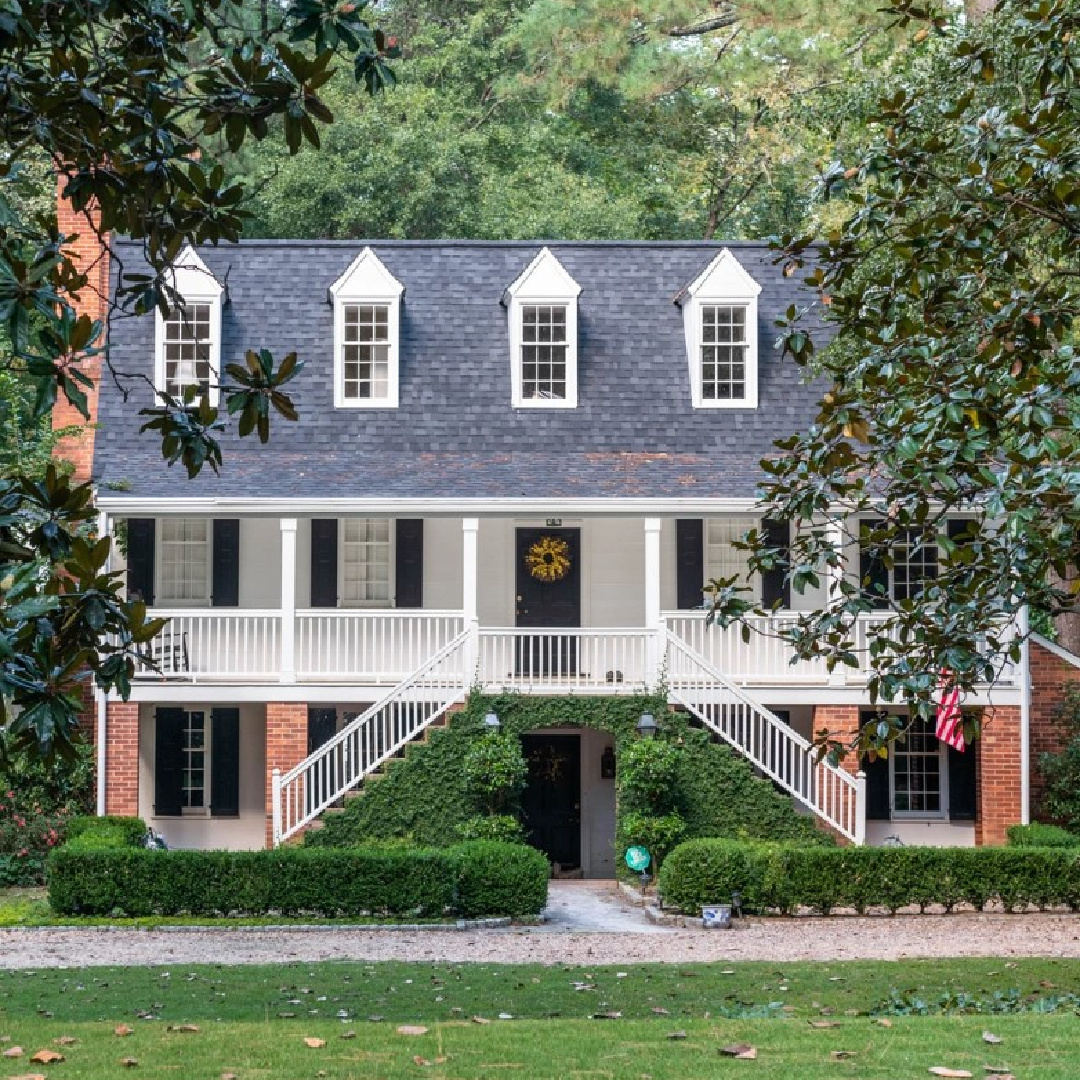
x: 660, y: 1011
x: 229, y: 1076
x: 347, y: 1035
x: 480, y: 1020
x: 13, y: 1052
x: 740, y: 1050
x: 314, y: 1043
x: 183, y: 1028
x: 823, y: 1023
x: 412, y: 1029
x: 46, y: 1057
x: 66, y: 1040
x: 129, y: 1063
x: 941, y: 1070
x: 884, y: 1022
x: 990, y: 1037
x: 418, y: 1060
x: 841, y: 1055
x: 1002, y: 1072
x: 606, y: 1016
x: 122, y: 1029
x: 676, y: 1035
x: 28, y: 1076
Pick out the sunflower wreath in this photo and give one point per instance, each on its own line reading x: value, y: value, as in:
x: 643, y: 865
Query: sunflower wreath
x: 548, y: 559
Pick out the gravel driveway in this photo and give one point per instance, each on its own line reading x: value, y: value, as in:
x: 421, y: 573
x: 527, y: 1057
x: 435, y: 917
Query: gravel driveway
x: 842, y: 938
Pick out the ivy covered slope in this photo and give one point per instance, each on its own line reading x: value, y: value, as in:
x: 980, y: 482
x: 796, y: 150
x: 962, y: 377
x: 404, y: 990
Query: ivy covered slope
x: 423, y: 796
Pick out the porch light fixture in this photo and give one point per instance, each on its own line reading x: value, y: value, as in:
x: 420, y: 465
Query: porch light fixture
x: 647, y: 726
x: 492, y: 722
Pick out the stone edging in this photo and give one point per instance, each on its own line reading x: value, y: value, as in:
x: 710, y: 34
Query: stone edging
x: 301, y: 928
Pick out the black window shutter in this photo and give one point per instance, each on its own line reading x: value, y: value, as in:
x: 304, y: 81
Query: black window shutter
x: 321, y: 727
x: 324, y: 562
x: 168, y: 762
x: 872, y: 572
x: 960, y: 530
x: 775, y: 585
x: 225, y: 762
x: 689, y: 562
x: 140, y: 559
x: 878, y: 792
x: 409, y: 563
x: 962, y: 784
x: 226, y: 563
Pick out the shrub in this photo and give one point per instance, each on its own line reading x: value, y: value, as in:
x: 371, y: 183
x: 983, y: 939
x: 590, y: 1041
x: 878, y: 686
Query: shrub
x: 495, y: 771
x: 28, y: 832
x: 785, y: 877
x: 107, y: 831
x: 648, y: 769
x: 1061, y: 771
x: 500, y: 879
x: 658, y: 833
x: 1038, y: 835
x: 486, y: 878
x: 502, y: 827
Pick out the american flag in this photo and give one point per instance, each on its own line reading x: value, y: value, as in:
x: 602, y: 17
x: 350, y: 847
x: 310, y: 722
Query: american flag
x: 950, y: 720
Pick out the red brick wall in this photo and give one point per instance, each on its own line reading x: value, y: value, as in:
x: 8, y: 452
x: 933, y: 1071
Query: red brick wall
x: 91, y: 259
x: 998, y: 763
x: 842, y: 723
x: 1049, y: 674
x: 122, y: 759
x: 286, y: 744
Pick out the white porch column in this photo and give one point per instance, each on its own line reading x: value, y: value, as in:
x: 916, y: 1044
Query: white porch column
x: 470, y: 592
x: 288, y: 600
x: 104, y: 525
x: 653, y: 527
x: 835, y: 531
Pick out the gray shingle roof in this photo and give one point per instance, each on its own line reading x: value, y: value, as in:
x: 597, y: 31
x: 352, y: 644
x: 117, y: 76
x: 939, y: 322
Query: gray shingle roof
x: 455, y: 434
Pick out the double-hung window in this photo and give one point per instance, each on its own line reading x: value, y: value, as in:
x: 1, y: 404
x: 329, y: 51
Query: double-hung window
x: 542, y: 307
x: 188, y: 337
x: 720, y: 315
x: 184, y: 575
x: 722, y: 558
x: 917, y: 772
x: 193, y: 769
x: 365, y: 562
x: 367, y: 303
x: 913, y: 555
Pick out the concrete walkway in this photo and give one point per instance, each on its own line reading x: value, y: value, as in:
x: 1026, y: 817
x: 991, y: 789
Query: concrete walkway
x: 594, y: 907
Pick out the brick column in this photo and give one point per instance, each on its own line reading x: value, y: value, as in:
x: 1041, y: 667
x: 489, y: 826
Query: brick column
x: 122, y: 759
x: 286, y: 745
x: 842, y: 723
x: 1050, y: 674
x: 89, y: 258
x: 998, y: 769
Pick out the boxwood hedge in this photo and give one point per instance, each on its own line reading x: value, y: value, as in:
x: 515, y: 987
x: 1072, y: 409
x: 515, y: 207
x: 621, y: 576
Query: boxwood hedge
x: 1039, y: 835
x: 786, y: 877
x: 474, y: 879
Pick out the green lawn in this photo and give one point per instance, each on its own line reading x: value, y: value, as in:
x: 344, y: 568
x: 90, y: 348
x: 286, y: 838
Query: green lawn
x: 252, y: 1021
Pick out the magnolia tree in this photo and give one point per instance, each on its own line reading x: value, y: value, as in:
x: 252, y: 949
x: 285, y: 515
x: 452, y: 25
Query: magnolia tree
x: 950, y: 294
x: 131, y: 104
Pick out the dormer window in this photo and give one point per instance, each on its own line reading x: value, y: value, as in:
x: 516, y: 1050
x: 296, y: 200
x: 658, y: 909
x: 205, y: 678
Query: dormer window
x: 542, y: 305
x: 720, y: 321
x: 188, y: 338
x: 367, y: 302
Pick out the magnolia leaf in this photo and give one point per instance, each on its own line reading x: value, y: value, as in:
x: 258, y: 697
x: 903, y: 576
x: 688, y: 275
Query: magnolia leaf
x: 412, y: 1029
x: 313, y: 1042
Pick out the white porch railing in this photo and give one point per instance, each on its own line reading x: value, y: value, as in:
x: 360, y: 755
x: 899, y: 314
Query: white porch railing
x: 216, y: 644
x: 370, y: 646
x: 783, y: 755
x: 306, y: 790
x: 567, y: 660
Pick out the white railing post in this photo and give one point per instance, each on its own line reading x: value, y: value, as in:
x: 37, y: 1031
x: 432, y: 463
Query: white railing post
x: 835, y: 529
x: 860, y: 808
x: 653, y: 622
x: 275, y: 806
x: 288, y: 600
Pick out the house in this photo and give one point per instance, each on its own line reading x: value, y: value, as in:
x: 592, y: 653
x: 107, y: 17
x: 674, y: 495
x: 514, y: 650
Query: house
x: 516, y: 465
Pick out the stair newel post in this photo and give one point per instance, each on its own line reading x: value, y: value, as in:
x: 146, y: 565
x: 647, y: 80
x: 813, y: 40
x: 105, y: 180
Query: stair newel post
x: 860, y: 808
x: 275, y: 805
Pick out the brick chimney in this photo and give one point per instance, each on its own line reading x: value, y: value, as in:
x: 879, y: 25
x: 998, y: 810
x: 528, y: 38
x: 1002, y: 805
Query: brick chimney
x: 89, y: 257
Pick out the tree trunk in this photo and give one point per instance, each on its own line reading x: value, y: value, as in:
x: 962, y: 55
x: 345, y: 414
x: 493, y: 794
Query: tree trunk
x: 1067, y: 623
x: 976, y: 9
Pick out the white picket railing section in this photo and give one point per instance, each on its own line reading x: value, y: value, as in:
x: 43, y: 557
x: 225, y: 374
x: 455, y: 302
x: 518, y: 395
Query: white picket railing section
x: 370, y: 646
x: 781, y: 753
x: 305, y: 791
x: 215, y: 644
x: 575, y: 660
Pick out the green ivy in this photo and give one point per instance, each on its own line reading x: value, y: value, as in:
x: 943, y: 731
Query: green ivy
x: 425, y: 796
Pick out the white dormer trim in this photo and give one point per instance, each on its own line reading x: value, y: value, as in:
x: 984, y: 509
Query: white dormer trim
x: 367, y: 282
x: 544, y: 283
x: 724, y: 282
x: 192, y: 280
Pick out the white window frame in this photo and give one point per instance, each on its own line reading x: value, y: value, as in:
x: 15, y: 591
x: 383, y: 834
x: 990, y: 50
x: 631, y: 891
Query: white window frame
x: 723, y: 283
x: 942, y: 813
x: 161, y: 600
x: 367, y: 283
x: 190, y: 278
x: 545, y: 283
x: 204, y: 810
x: 379, y: 604
x: 742, y: 523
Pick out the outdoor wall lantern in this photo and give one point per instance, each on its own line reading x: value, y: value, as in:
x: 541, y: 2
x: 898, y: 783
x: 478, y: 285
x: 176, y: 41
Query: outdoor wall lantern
x: 607, y: 763
x: 491, y: 722
x: 647, y: 726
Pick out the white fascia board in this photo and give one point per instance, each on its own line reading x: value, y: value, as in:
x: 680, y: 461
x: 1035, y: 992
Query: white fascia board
x: 724, y: 277
x: 121, y: 506
x: 545, y: 278
x: 192, y: 278
x: 367, y: 279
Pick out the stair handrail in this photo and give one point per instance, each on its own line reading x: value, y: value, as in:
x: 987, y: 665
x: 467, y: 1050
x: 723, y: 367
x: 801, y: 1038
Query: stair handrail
x: 282, y: 781
x: 848, y: 792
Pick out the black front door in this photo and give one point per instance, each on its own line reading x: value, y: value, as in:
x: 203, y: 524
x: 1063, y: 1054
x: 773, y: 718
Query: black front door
x: 548, y: 597
x: 321, y: 728
x: 552, y: 799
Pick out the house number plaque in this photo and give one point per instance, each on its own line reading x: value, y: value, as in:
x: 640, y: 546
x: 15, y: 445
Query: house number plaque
x: 553, y: 523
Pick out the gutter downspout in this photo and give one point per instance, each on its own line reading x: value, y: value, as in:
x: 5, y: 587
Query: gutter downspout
x: 1025, y: 717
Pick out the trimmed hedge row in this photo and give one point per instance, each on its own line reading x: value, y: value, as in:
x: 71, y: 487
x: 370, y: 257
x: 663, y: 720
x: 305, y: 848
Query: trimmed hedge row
x: 1039, y: 835
x: 785, y: 877
x: 484, y: 878
x: 107, y: 831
